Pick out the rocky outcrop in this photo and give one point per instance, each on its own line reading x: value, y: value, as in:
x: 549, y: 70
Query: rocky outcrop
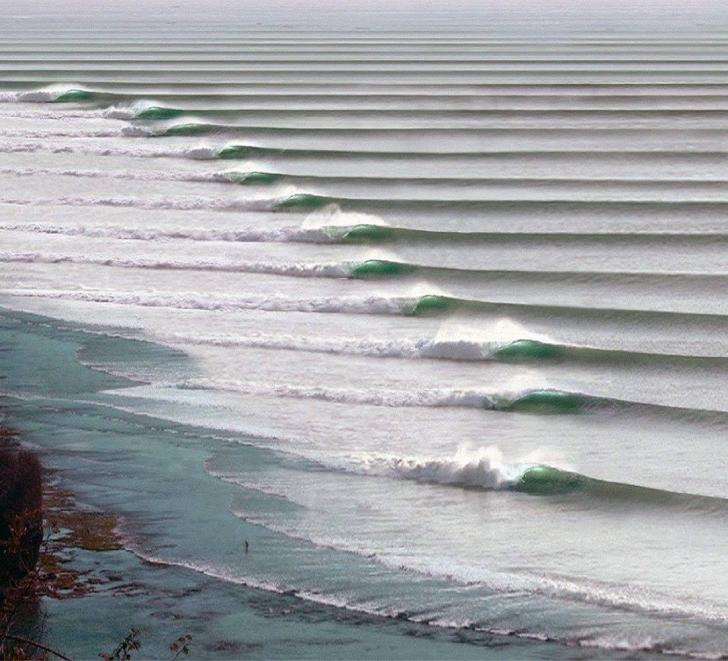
x: 21, y: 500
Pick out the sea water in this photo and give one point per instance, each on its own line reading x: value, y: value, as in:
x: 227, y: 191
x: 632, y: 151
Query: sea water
x: 430, y: 312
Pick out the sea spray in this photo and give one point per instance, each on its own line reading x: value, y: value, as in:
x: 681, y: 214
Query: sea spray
x: 481, y: 468
x: 476, y: 468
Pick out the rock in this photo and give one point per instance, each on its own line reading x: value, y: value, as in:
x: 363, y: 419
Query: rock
x: 21, y: 519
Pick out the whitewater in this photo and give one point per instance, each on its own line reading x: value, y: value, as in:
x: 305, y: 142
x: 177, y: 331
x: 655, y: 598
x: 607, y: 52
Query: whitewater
x: 443, y: 304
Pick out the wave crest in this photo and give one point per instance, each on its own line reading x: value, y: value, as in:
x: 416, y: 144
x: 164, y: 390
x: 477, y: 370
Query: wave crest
x: 475, y: 468
x: 303, y: 201
x: 483, y: 468
x: 49, y: 94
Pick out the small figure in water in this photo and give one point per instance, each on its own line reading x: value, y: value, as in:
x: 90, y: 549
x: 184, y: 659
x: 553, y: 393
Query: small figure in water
x: 246, y: 547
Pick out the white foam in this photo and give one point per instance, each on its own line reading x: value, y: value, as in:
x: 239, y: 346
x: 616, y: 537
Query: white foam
x: 404, y: 348
x: 200, y: 152
x: 333, y: 216
x: 178, y: 202
x: 56, y: 113
x: 61, y: 133
x: 139, y: 175
x: 481, y: 468
x: 325, y: 304
x: 500, y: 331
x: 251, y: 234
x: 129, y: 111
x: 299, y: 270
x: 433, y: 397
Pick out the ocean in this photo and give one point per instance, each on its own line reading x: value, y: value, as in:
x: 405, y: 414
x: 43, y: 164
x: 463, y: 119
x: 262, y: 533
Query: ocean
x: 425, y: 305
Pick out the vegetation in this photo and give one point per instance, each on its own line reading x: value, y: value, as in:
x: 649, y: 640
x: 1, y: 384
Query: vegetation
x: 21, y: 519
x: 32, y: 564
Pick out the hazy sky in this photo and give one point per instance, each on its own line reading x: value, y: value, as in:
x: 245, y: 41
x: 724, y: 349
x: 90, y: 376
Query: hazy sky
x: 489, y: 15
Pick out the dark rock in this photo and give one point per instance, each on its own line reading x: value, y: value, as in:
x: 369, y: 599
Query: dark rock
x: 21, y: 519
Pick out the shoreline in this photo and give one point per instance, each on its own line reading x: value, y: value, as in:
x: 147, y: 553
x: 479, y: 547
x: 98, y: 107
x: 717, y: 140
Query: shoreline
x: 95, y: 556
x: 67, y: 528
x: 75, y: 530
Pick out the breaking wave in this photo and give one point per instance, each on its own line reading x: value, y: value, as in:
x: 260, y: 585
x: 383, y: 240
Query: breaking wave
x: 485, y: 468
x: 49, y: 94
x: 539, y: 401
x: 455, y: 349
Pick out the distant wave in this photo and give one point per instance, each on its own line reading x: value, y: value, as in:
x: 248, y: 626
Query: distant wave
x: 246, y: 152
x: 354, y: 234
x: 485, y: 468
x: 364, y: 232
x: 308, y: 201
x: 541, y: 401
x: 51, y: 94
x: 428, y: 304
x: 455, y: 349
x: 356, y: 270
x: 305, y: 202
x: 625, y: 133
x: 383, y: 269
x: 142, y: 109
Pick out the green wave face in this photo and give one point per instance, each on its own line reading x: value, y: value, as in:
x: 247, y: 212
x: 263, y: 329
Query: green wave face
x: 303, y: 201
x: 432, y: 304
x: 546, y: 480
x: 528, y: 350
x: 254, y: 177
x: 236, y: 152
x: 159, y: 112
x: 547, y: 401
x: 380, y: 268
x: 74, y: 95
x: 189, y: 129
x: 366, y: 233
x: 239, y: 152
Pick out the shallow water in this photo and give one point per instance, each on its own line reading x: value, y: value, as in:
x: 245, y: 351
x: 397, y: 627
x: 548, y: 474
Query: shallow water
x: 444, y: 308
x: 184, y: 569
